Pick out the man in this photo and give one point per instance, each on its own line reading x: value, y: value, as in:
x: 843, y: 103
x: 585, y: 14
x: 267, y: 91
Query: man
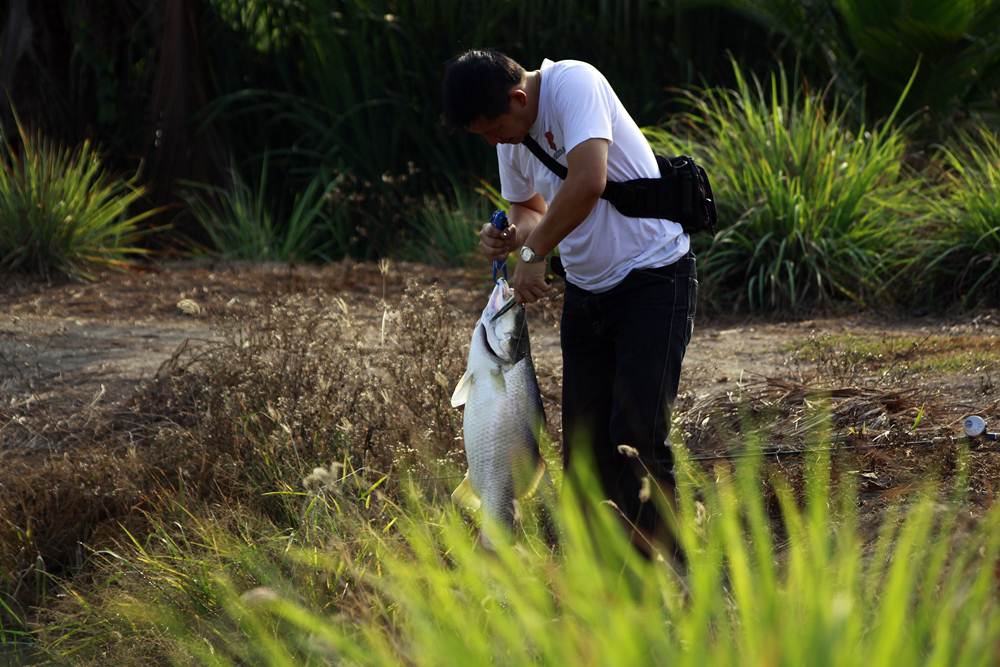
x: 631, y: 287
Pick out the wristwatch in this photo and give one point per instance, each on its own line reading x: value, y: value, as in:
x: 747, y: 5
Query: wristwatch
x: 529, y: 256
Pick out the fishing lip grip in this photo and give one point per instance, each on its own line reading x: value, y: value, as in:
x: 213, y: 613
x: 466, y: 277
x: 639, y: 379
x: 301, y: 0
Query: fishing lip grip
x: 499, y: 220
x: 975, y: 427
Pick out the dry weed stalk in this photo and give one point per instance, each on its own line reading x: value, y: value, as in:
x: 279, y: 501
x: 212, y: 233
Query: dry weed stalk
x: 790, y: 413
x: 303, y: 380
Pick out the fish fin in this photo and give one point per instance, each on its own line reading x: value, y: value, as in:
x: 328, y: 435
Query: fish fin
x: 464, y: 496
x: 461, y: 393
x: 536, y: 477
x: 498, y: 380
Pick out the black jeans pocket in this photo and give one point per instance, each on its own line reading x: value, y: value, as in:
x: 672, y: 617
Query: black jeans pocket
x: 662, y: 274
x: 692, y: 307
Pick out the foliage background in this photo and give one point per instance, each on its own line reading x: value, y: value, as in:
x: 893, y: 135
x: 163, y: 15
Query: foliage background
x: 324, y: 113
x: 299, y: 130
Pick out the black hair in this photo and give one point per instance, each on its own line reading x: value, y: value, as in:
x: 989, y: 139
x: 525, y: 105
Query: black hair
x: 476, y: 84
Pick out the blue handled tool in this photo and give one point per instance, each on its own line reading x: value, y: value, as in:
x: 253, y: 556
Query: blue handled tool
x: 499, y: 220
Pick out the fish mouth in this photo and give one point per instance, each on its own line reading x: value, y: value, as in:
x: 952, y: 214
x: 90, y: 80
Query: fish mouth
x: 498, y: 356
x: 510, y: 303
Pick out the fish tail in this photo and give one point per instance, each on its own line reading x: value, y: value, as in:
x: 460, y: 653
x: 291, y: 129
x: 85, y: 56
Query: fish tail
x: 539, y: 473
x: 465, y: 496
x: 498, y: 515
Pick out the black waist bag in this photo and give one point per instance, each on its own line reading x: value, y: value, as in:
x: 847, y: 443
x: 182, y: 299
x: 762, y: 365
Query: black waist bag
x: 682, y: 193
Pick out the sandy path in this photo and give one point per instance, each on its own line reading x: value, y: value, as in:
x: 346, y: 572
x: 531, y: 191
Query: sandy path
x: 41, y: 351
x: 69, y: 345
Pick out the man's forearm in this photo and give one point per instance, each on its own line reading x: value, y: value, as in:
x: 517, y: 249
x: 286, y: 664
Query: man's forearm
x: 524, y: 219
x: 570, y: 207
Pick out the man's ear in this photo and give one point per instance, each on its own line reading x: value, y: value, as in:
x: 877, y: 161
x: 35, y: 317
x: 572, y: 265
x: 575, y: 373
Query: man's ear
x: 518, y: 96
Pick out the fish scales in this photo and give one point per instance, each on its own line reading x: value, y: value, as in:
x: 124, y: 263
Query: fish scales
x: 501, y: 445
x: 503, y: 413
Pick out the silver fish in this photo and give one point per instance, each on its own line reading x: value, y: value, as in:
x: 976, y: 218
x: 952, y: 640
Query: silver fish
x: 503, y: 413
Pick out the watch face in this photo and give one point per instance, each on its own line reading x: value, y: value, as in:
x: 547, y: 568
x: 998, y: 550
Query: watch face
x: 530, y: 256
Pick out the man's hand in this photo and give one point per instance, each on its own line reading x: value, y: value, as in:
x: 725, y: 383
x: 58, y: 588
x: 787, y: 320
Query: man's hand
x: 529, y: 282
x: 523, y: 217
x: 496, y: 244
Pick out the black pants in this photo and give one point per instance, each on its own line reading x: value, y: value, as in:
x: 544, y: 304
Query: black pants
x: 622, y: 352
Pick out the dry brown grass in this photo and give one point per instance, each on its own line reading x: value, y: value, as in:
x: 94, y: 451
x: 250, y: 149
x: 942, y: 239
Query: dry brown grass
x: 886, y: 441
x: 294, y: 383
x: 790, y: 412
x: 300, y: 378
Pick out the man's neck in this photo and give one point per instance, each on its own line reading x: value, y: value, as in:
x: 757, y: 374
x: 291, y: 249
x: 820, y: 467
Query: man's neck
x: 533, y: 86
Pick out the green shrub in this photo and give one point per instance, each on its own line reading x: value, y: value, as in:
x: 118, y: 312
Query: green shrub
x: 960, y: 256
x: 359, y: 86
x: 446, y: 232
x: 61, y: 213
x: 807, y: 204
x: 871, y: 47
x: 243, y: 222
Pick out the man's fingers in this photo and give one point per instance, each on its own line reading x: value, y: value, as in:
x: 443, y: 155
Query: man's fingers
x: 496, y: 244
x: 538, y: 291
x: 495, y: 249
x: 492, y: 251
x: 506, y: 231
x: 491, y: 242
x: 531, y: 293
x: 489, y: 231
x: 527, y: 296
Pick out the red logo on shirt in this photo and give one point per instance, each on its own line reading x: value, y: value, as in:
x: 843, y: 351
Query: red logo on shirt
x: 551, y: 139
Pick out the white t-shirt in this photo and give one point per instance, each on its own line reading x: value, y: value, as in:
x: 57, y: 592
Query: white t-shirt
x: 577, y: 103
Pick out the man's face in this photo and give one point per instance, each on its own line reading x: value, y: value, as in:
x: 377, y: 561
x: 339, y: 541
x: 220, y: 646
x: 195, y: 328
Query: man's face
x: 504, y: 129
x: 507, y: 128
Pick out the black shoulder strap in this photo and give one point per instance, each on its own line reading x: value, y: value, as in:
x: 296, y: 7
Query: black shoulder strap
x: 546, y: 159
x: 647, y: 197
x: 613, y: 191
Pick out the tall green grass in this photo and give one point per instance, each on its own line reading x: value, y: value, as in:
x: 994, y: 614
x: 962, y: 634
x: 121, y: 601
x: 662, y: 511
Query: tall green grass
x: 789, y: 578
x: 243, y: 223
x: 61, y: 213
x: 445, y: 231
x: 958, y: 258
x: 808, y: 204
x: 357, y: 84
x: 869, y: 49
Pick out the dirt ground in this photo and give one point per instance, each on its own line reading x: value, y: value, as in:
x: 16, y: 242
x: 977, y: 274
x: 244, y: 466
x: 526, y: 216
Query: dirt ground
x: 68, y: 346
x: 73, y: 356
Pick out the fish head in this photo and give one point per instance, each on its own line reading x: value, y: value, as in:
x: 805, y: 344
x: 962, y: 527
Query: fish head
x: 504, y: 323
